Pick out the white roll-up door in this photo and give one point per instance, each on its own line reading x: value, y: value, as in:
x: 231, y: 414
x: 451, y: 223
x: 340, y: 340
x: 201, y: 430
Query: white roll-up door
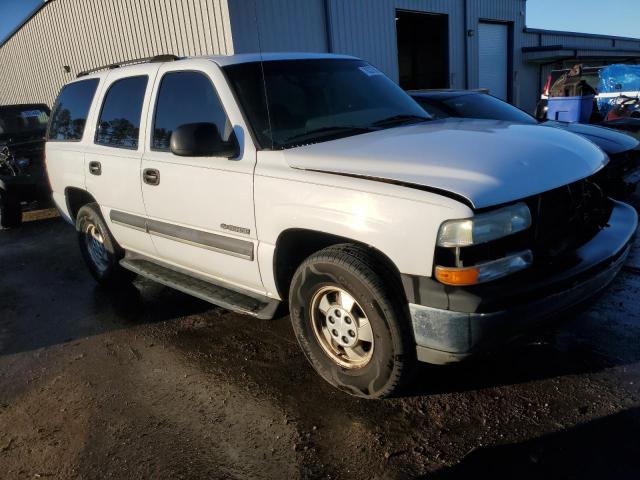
x: 494, y: 58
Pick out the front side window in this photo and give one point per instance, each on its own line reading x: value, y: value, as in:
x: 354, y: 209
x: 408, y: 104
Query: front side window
x: 71, y: 110
x: 183, y: 98
x: 308, y: 101
x: 119, y: 123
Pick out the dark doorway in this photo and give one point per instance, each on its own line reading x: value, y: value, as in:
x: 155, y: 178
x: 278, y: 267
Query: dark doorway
x: 423, y: 49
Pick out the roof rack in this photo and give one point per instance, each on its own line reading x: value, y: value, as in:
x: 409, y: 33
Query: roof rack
x: 111, y: 66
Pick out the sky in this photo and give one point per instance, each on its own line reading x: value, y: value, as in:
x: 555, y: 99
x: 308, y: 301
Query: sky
x: 12, y: 12
x: 610, y: 17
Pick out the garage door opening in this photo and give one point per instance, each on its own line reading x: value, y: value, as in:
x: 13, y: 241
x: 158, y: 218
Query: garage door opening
x: 423, y: 49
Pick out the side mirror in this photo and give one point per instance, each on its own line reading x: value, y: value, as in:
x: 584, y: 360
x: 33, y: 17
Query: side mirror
x: 202, y: 140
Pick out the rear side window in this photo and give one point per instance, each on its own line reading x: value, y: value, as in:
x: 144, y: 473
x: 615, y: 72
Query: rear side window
x: 186, y: 97
x: 119, y: 123
x: 71, y: 110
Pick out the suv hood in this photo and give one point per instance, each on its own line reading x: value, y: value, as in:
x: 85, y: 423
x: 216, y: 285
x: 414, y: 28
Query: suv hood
x: 609, y: 140
x: 485, y: 161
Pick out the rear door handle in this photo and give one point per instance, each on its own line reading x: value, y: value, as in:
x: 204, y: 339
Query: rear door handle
x: 151, y: 176
x: 95, y: 168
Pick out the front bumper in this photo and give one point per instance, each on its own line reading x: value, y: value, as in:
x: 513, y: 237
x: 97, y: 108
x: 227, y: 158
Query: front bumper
x: 501, y: 311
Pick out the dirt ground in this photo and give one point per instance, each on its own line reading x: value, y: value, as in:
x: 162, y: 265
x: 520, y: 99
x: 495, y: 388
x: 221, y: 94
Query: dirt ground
x: 151, y: 383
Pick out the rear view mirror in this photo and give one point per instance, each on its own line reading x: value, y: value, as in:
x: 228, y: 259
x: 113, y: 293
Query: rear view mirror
x: 202, y: 140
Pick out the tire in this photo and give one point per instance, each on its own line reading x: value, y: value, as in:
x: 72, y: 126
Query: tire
x: 371, y: 369
x: 10, y: 211
x: 99, y: 249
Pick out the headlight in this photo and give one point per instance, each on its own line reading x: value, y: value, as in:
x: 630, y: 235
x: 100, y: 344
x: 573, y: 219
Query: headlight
x: 485, y: 227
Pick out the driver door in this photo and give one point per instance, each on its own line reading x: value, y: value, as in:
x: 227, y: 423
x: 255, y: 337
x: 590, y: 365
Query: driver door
x: 200, y: 209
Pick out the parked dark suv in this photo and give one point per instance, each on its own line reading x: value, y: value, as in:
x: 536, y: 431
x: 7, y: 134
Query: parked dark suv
x: 22, y: 172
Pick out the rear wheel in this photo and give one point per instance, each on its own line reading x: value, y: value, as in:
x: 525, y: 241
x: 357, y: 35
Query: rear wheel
x: 10, y: 210
x: 351, y: 320
x: 99, y: 249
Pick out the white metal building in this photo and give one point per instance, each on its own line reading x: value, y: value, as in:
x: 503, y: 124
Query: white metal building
x: 418, y: 43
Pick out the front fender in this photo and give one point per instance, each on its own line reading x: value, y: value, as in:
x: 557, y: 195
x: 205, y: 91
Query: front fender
x: 401, y: 224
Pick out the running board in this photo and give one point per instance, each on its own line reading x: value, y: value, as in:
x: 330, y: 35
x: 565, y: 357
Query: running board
x: 254, y: 305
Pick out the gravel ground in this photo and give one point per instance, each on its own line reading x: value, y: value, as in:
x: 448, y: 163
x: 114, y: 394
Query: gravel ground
x: 151, y: 383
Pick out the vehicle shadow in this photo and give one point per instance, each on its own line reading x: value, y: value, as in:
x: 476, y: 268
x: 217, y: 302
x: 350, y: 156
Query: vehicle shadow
x: 600, y: 334
x: 604, y: 448
x: 48, y: 297
x: 550, y: 354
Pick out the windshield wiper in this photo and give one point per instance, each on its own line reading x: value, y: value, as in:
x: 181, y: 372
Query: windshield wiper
x: 397, y: 119
x: 336, y: 129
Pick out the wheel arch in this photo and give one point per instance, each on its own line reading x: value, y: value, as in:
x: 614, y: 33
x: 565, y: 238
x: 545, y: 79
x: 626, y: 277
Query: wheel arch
x: 75, y: 199
x: 294, y: 245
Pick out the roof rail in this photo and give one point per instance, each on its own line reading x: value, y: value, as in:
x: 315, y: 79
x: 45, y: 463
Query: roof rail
x: 157, y: 58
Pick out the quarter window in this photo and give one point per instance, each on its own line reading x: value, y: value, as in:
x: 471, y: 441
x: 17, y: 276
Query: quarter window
x: 186, y: 97
x: 71, y: 110
x: 119, y: 123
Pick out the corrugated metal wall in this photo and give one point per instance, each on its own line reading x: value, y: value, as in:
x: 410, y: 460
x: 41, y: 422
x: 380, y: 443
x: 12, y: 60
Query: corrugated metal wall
x: 364, y: 28
x: 89, y: 33
x: 83, y: 34
x: 278, y: 25
x: 361, y: 29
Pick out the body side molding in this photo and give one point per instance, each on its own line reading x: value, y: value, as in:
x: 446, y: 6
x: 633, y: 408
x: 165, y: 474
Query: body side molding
x: 190, y: 236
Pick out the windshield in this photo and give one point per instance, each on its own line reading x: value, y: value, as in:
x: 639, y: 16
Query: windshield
x: 23, y: 120
x: 481, y: 105
x: 309, y: 101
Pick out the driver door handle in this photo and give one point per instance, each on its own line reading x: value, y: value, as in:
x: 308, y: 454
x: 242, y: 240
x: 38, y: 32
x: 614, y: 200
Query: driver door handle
x: 95, y: 168
x: 151, y: 176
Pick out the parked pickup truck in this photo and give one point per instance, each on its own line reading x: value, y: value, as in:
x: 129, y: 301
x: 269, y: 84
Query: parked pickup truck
x: 22, y: 175
x: 251, y: 180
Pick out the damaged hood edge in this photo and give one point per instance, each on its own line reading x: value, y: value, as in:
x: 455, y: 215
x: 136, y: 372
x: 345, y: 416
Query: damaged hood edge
x: 482, y: 163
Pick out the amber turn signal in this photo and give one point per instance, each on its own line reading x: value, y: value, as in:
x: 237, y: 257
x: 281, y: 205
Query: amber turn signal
x: 457, y: 276
x: 484, y: 272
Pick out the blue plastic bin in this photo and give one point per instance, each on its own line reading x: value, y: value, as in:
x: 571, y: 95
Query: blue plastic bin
x: 570, y: 109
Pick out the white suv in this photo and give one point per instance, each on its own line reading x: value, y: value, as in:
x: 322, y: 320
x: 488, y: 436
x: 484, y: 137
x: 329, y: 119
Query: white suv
x: 252, y: 180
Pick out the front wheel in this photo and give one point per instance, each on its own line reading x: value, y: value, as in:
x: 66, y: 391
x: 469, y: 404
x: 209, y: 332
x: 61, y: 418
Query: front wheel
x: 99, y: 249
x: 351, y: 320
x: 10, y: 210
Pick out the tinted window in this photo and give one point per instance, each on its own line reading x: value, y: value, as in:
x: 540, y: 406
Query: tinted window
x: 246, y: 80
x: 71, y: 110
x: 23, y: 119
x: 318, y: 100
x: 186, y: 97
x: 481, y: 105
x: 434, y: 108
x: 119, y: 123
